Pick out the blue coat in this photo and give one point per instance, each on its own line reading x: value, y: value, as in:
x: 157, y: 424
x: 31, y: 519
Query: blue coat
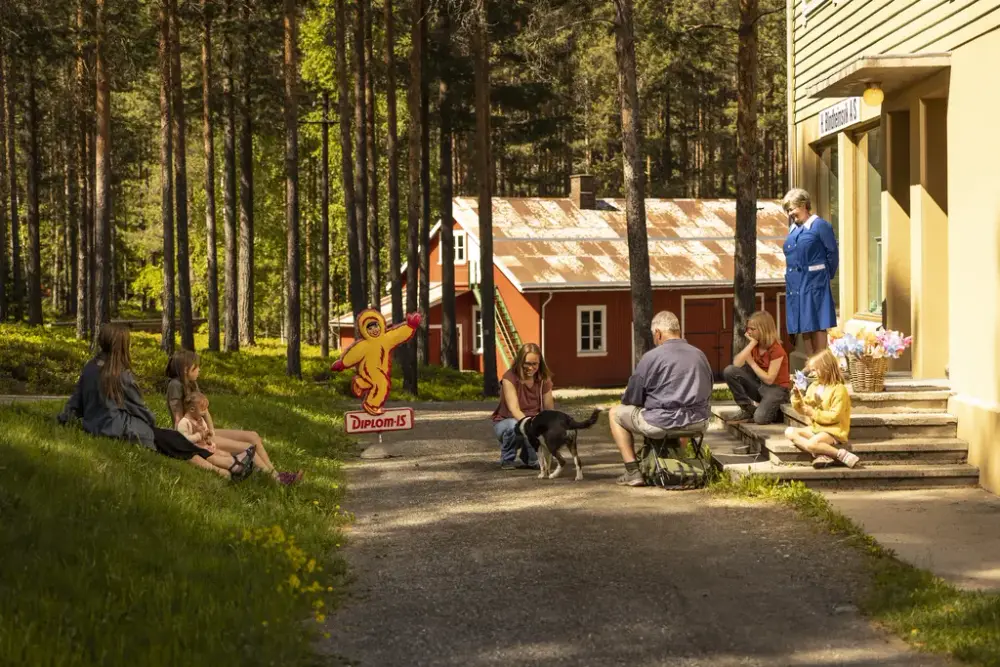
x: 811, y: 259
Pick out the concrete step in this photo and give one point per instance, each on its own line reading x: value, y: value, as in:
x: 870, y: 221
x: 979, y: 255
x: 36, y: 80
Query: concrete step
x: 900, y: 401
x: 883, y: 476
x: 889, y: 425
x: 897, y: 451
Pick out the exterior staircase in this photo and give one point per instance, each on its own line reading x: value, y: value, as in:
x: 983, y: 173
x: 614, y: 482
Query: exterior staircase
x: 507, y: 339
x: 904, y: 436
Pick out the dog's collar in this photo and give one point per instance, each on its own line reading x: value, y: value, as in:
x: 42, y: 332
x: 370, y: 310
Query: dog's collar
x: 522, y: 425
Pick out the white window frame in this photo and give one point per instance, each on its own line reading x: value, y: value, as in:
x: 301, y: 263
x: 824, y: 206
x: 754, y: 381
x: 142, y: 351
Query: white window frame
x: 477, y: 331
x: 603, y: 351
x: 465, y: 248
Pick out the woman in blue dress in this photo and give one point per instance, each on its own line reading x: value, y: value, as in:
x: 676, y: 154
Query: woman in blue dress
x: 811, y: 258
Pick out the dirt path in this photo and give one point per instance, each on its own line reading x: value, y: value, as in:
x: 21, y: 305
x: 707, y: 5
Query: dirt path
x: 460, y: 563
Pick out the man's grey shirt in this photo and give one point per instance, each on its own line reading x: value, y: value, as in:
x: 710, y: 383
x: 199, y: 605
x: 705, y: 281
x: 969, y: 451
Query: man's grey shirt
x: 673, y: 382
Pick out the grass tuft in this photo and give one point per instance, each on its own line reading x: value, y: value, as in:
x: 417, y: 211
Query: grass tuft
x: 926, y: 611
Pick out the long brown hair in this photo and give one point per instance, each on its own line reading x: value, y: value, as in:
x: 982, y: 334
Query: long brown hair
x: 767, y: 330
x: 543, y: 373
x: 179, y: 365
x: 114, y: 342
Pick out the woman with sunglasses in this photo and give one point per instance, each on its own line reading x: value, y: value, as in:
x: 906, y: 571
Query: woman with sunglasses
x: 525, y: 390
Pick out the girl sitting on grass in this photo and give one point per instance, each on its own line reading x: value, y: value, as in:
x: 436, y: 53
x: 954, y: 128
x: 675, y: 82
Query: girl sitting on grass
x: 828, y: 406
x: 108, y: 402
x: 183, y: 370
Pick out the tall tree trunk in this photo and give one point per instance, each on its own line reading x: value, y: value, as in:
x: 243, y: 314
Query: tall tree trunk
x: 167, y: 342
x: 34, y: 266
x: 292, y: 306
x: 180, y: 182
x: 745, y: 273
x: 410, y: 378
x: 357, y: 285
x: 209, y: 142
x: 361, y: 147
x: 484, y: 168
x: 232, y: 340
x: 246, y: 254
x: 635, y: 198
x: 72, y: 221
x: 16, y: 305
x: 83, y: 247
x: 324, y: 234
x: 423, y: 335
x: 92, y: 283
x: 449, y: 329
x: 374, y: 237
x: 3, y: 184
x: 392, y: 150
x: 102, y: 178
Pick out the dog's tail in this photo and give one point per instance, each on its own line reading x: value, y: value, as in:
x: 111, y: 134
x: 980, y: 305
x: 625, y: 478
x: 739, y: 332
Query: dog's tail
x: 574, y: 425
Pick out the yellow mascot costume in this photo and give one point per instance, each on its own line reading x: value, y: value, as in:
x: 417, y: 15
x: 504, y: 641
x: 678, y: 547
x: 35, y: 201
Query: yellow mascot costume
x: 371, y: 354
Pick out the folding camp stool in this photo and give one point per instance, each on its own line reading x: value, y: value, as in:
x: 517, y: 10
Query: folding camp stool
x: 671, y: 440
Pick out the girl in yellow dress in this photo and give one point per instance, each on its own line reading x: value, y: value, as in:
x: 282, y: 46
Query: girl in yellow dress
x: 828, y: 406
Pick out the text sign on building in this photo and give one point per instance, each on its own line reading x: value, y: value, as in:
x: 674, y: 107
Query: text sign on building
x: 839, y: 116
x: 399, y: 419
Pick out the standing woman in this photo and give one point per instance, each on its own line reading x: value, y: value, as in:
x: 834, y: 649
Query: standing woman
x: 525, y: 390
x: 811, y: 259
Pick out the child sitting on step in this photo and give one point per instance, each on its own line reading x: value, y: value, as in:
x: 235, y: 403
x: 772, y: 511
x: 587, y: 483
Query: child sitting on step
x: 828, y: 406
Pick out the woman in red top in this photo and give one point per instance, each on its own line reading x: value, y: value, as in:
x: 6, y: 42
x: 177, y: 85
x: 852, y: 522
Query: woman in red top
x: 759, y: 373
x: 525, y: 390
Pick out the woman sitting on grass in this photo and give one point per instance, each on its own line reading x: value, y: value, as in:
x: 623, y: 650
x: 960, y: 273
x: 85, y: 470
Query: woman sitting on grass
x: 108, y: 401
x: 828, y: 406
x: 183, y: 370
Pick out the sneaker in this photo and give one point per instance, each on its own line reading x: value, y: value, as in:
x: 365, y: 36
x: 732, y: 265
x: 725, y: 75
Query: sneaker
x: 740, y: 417
x: 849, y: 459
x: 631, y: 479
x: 822, y: 461
x: 508, y: 465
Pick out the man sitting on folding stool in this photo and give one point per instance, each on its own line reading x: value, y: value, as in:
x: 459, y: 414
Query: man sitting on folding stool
x: 667, y: 396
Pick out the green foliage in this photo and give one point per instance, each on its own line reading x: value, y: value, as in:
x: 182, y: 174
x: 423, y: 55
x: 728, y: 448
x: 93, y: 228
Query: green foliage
x: 48, y: 362
x: 923, y: 609
x: 116, y: 556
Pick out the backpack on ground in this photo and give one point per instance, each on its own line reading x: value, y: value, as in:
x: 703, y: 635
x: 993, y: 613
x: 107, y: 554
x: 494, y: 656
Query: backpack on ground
x: 666, y: 464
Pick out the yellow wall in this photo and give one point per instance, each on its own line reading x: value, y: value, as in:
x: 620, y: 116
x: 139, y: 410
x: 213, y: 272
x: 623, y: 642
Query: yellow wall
x: 940, y: 216
x: 836, y: 34
x: 974, y: 252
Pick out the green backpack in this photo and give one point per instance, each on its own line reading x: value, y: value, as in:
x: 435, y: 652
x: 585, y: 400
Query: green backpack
x: 664, y: 463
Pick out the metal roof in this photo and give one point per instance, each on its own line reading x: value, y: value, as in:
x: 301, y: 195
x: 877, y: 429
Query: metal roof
x: 549, y: 243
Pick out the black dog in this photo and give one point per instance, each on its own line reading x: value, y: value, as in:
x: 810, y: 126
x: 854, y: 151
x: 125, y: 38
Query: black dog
x: 547, y: 432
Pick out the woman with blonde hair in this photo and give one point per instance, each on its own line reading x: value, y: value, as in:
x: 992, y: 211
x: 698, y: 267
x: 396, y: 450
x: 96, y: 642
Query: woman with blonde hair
x: 759, y: 373
x: 828, y: 406
x: 811, y: 259
x: 525, y: 390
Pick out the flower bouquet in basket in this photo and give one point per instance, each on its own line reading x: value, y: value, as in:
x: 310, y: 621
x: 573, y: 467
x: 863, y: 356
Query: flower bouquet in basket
x: 867, y: 356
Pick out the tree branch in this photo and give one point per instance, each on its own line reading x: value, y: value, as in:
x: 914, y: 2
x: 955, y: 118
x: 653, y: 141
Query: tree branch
x: 767, y: 13
x: 709, y: 26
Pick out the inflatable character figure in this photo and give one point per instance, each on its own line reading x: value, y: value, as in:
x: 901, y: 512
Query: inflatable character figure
x: 371, y: 355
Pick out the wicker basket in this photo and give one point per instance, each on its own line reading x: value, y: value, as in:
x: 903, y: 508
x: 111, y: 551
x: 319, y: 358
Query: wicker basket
x: 868, y: 374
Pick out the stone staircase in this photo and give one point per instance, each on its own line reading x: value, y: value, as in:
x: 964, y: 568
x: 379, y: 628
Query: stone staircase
x: 904, y: 436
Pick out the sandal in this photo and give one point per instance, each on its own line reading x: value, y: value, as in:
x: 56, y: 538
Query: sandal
x: 245, y: 467
x: 289, y: 478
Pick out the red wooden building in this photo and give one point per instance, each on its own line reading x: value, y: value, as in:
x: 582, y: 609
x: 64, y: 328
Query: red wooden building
x: 562, y: 279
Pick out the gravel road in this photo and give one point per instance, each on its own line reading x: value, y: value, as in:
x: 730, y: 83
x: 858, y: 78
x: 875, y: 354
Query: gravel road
x: 459, y: 563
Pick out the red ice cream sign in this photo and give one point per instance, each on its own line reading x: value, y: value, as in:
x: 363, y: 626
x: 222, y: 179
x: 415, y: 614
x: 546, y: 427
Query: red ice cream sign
x: 399, y: 419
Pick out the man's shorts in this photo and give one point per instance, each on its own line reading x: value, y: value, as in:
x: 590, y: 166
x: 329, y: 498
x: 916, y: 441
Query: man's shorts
x: 630, y: 418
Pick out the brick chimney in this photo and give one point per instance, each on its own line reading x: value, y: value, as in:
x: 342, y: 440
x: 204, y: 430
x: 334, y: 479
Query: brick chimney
x: 581, y: 191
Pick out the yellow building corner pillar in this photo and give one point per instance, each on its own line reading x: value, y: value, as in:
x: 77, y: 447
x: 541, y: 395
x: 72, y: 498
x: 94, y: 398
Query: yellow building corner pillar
x: 847, y: 184
x: 929, y: 237
x: 896, y: 228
